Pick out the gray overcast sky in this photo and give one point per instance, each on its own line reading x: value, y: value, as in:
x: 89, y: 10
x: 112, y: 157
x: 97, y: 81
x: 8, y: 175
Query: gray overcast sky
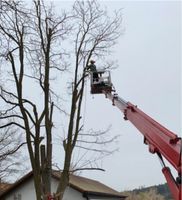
x: 149, y: 58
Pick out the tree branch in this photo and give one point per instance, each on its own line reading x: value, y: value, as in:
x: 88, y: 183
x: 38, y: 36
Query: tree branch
x: 12, y: 123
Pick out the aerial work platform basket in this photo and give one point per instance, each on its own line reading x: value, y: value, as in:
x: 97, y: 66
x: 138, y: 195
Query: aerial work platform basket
x: 100, y: 81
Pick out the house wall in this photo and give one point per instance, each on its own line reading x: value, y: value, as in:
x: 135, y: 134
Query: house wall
x: 26, y: 191
x: 70, y: 193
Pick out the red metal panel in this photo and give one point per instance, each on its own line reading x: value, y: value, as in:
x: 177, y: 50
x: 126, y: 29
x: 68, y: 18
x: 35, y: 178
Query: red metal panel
x: 156, y: 136
x: 174, y: 188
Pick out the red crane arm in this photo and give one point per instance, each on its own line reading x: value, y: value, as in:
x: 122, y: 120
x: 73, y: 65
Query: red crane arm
x: 159, y: 139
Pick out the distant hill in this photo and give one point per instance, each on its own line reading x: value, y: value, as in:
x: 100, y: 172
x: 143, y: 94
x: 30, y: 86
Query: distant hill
x: 161, y: 192
x: 161, y: 189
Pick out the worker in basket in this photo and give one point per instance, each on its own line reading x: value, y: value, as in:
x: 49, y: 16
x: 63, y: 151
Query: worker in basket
x: 92, y: 67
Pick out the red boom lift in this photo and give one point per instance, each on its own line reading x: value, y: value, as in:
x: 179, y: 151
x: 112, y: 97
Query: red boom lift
x: 159, y: 139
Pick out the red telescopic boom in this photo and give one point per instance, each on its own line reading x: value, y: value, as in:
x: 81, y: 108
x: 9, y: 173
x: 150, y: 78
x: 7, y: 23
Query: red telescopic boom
x: 159, y: 139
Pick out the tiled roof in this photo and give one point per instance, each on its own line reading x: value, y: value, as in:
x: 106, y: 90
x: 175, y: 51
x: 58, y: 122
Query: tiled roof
x: 84, y: 185
x: 4, y: 187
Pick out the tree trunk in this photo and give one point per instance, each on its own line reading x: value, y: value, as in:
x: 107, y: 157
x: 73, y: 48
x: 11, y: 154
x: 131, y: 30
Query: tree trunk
x: 64, y: 180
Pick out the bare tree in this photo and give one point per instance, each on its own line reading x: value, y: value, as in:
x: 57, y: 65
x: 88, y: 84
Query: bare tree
x: 32, y: 55
x: 94, y: 34
x: 10, y: 143
x: 30, y: 39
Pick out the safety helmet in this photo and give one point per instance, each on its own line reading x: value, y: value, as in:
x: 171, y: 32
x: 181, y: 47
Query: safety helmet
x: 92, y: 61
